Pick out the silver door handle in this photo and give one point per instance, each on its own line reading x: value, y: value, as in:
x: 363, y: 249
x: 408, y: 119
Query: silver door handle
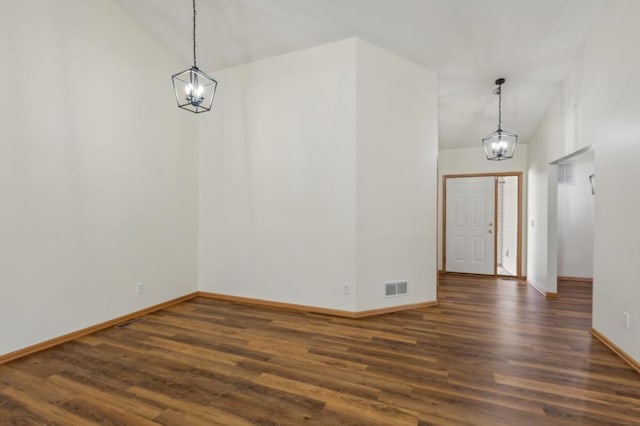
x: 490, y: 231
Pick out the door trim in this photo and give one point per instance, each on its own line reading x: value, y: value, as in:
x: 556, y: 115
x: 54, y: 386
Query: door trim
x: 495, y: 236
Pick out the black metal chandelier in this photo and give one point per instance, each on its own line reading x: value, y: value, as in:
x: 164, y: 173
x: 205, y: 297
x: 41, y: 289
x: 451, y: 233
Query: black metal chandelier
x: 500, y: 145
x: 194, y: 89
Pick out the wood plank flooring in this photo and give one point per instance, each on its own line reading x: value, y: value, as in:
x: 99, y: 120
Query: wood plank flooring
x: 494, y: 352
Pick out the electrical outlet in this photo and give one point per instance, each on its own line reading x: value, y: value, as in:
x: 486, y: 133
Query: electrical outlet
x: 346, y: 288
x: 140, y: 288
x: 626, y: 320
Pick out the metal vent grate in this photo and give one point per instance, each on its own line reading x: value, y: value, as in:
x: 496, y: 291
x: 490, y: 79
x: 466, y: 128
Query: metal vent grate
x: 396, y: 288
x: 390, y: 289
x: 566, y: 173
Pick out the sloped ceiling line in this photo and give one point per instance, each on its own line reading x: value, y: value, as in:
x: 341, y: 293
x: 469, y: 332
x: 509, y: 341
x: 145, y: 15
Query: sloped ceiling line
x: 469, y: 43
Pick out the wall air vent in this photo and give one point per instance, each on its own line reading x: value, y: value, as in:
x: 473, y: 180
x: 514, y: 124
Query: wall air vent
x: 390, y: 289
x: 396, y: 288
x: 565, y: 173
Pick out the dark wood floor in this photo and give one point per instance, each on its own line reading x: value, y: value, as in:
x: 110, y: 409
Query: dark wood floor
x: 493, y: 352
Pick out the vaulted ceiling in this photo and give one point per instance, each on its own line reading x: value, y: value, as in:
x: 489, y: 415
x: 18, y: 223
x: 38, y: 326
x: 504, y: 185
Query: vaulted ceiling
x: 468, y: 43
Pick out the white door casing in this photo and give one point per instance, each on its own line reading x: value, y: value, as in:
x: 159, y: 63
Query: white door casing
x: 470, y: 213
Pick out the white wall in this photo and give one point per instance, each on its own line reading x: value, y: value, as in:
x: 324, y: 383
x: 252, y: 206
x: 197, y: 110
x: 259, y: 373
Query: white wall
x: 95, y: 195
x: 548, y: 143
x: 277, y: 180
x: 575, y: 220
x: 600, y: 106
x: 396, y: 178
x: 473, y: 160
x: 292, y: 192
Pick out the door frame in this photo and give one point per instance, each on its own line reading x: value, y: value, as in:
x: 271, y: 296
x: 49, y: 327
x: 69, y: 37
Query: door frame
x: 496, y: 175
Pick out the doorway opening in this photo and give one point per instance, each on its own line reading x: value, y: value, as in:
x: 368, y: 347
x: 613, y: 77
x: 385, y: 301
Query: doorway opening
x: 575, y: 204
x: 482, y: 224
x: 507, y: 226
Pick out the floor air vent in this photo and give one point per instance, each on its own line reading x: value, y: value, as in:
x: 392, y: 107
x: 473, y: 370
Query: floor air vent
x: 397, y: 288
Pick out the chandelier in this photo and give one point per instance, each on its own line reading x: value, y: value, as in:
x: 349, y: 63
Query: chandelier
x: 500, y: 145
x: 194, y: 89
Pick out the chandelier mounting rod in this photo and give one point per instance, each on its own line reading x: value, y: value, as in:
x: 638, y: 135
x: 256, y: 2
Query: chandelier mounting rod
x: 195, y: 64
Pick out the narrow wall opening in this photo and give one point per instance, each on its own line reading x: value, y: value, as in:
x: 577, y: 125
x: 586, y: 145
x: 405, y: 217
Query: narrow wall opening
x: 507, y: 226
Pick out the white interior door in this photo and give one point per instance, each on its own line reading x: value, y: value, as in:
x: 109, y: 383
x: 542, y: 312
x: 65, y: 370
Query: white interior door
x: 470, y: 204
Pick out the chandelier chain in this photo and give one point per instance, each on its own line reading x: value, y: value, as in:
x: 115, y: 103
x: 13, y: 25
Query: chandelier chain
x: 499, y: 107
x: 194, y: 34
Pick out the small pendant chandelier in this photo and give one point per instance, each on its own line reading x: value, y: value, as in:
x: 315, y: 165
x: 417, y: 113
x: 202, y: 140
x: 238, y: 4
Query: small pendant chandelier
x: 500, y: 145
x: 194, y: 89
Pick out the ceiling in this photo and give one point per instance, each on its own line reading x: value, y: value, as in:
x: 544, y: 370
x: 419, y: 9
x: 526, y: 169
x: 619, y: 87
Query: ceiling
x: 468, y: 43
